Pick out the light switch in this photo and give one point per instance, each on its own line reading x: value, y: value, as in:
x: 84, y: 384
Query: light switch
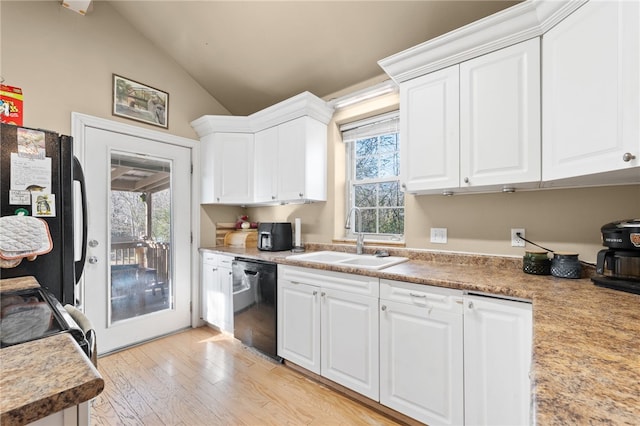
x: 439, y: 235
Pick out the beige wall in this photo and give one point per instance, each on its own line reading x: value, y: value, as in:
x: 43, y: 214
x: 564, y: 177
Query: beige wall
x: 64, y: 62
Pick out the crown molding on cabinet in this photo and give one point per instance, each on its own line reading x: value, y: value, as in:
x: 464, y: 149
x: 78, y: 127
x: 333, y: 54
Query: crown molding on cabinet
x: 521, y: 22
x: 304, y: 104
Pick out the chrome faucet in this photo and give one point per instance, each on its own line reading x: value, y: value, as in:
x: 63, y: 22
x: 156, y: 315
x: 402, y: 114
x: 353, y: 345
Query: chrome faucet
x: 358, y: 230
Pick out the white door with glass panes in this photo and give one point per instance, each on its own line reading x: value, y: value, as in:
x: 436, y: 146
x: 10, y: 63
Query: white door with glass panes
x: 137, y: 282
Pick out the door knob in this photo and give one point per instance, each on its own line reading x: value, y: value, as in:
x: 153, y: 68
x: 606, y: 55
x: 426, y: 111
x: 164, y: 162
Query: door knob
x: 93, y: 259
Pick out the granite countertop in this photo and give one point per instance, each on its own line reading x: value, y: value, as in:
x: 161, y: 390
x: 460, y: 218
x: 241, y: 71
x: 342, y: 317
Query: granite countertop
x: 43, y: 376
x: 586, y: 339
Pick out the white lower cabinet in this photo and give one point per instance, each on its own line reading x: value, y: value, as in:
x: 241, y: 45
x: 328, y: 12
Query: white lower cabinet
x: 328, y: 324
x: 497, y: 361
x: 421, y: 352
x: 217, y: 291
x: 431, y: 353
x: 299, y: 324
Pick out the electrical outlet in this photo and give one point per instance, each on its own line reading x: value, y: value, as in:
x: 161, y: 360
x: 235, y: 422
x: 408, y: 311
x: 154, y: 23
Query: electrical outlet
x: 439, y: 235
x: 515, y: 240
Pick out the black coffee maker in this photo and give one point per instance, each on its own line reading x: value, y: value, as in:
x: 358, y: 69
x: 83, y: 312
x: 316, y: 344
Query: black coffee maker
x: 618, y: 267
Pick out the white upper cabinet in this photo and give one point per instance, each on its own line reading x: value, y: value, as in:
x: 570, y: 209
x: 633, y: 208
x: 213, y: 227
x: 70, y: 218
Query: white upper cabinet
x: 563, y: 111
x: 266, y: 165
x: 474, y: 126
x: 296, y: 153
x: 429, y: 150
x: 591, y: 96
x: 275, y: 156
x: 233, y: 175
x: 500, y: 118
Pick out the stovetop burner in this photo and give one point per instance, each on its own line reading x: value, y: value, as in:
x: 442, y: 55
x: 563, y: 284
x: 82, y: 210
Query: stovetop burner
x: 31, y: 314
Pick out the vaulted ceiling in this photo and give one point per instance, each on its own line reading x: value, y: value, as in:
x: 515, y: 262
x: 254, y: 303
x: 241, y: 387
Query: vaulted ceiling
x: 252, y: 54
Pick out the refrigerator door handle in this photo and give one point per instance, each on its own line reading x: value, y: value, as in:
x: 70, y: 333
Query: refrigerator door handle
x: 78, y: 175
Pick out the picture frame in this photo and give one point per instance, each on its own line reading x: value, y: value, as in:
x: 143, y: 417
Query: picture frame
x: 137, y: 101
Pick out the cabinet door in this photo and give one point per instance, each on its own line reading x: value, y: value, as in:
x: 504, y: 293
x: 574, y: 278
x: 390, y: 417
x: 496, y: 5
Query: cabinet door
x: 429, y: 127
x: 299, y: 324
x: 266, y: 165
x: 210, y: 283
x: 421, y: 362
x: 591, y: 93
x: 207, y: 170
x: 233, y: 167
x: 500, y: 117
x: 497, y: 360
x: 302, y: 147
x: 349, y: 342
x: 225, y: 316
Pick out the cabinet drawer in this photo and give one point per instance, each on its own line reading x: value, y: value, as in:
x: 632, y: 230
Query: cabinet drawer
x: 208, y: 257
x: 350, y: 283
x: 444, y: 299
x: 225, y: 261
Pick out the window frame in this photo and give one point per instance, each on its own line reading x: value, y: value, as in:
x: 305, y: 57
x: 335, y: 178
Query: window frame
x: 350, y: 181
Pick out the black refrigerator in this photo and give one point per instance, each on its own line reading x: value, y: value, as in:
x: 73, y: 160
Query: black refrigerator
x: 37, y: 164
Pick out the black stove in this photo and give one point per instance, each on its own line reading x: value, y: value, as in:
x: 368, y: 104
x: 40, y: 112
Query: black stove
x: 34, y: 313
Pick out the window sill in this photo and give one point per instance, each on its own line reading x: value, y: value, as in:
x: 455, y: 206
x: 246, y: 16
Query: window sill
x: 377, y: 243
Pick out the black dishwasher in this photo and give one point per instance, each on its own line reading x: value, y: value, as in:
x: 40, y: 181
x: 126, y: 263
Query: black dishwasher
x: 255, y: 304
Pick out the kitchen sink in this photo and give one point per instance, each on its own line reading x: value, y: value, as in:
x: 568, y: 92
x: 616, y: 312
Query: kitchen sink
x: 349, y: 259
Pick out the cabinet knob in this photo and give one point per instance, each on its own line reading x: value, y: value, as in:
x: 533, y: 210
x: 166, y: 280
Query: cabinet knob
x: 466, y: 180
x: 627, y: 156
x: 273, y: 197
x: 447, y: 193
x: 470, y: 305
x: 301, y: 195
x: 383, y: 307
x: 93, y: 243
x: 323, y: 294
x: 93, y: 260
x: 404, y: 186
x: 315, y: 292
x: 218, y: 199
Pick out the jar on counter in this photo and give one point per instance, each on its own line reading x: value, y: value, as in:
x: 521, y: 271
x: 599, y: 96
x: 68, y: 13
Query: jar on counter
x: 566, y: 265
x: 536, y: 262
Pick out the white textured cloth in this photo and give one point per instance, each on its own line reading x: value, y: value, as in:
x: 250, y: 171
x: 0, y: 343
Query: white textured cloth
x: 23, y: 236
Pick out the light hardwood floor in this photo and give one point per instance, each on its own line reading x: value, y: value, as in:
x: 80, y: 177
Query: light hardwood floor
x: 202, y: 377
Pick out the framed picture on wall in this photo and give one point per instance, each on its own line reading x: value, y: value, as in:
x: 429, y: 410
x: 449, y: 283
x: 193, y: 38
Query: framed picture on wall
x: 140, y: 102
